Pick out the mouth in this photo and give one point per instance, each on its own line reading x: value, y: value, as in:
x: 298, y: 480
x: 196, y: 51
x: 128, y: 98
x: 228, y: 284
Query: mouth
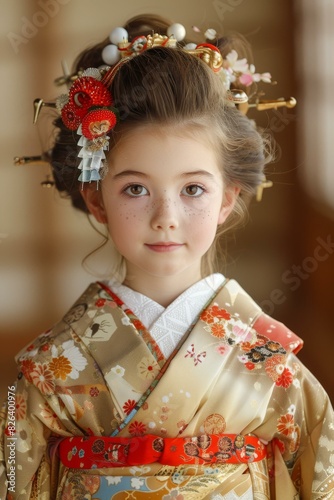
x: 164, y: 246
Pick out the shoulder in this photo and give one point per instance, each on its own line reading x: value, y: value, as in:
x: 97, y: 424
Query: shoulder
x: 264, y: 326
x: 59, y: 358
x: 276, y: 331
x: 66, y: 329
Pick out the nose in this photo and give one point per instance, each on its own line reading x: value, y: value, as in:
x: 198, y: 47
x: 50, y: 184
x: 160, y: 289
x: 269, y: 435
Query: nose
x: 164, y: 215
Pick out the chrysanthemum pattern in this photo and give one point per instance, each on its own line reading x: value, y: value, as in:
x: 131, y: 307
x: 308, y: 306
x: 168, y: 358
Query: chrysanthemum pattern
x: 20, y: 406
x: 257, y: 351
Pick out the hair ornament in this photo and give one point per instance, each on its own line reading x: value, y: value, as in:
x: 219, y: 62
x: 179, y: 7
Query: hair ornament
x: 121, y: 48
x: 177, y: 31
x: 210, y: 54
x: 88, y: 105
x: 210, y: 33
x: 88, y: 109
x: 36, y: 160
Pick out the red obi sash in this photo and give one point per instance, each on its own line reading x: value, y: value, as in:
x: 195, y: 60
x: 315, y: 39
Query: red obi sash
x: 92, y: 452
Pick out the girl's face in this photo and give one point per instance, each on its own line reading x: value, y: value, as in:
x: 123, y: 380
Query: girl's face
x: 162, y: 200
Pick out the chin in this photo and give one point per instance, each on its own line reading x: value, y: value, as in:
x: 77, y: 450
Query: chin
x: 170, y: 271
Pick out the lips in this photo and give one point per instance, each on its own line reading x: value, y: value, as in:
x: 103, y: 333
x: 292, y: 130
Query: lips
x: 164, y: 246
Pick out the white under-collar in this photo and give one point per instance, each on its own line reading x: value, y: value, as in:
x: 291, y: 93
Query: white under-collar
x: 168, y: 325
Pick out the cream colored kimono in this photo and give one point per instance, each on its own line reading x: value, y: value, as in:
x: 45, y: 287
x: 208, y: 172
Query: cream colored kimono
x: 211, y: 363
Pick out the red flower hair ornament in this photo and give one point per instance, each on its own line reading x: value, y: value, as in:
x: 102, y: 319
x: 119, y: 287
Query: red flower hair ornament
x: 88, y: 109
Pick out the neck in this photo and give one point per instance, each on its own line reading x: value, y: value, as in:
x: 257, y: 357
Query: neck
x: 163, y: 290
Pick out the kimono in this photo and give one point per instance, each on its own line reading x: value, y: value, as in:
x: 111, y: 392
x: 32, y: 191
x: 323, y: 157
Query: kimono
x: 206, y: 399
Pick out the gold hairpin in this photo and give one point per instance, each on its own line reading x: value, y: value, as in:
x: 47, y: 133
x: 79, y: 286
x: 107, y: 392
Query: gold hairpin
x: 268, y: 104
x: 37, y: 160
x: 47, y: 183
x: 264, y: 184
x: 38, y: 105
x: 28, y: 160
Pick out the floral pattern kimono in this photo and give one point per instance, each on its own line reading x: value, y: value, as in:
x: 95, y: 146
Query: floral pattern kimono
x: 100, y: 374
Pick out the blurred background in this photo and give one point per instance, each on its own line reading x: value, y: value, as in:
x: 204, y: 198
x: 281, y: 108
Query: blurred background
x: 284, y: 257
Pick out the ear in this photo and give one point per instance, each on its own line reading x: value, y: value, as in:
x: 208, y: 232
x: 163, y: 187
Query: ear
x: 94, y: 202
x: 230, y: 196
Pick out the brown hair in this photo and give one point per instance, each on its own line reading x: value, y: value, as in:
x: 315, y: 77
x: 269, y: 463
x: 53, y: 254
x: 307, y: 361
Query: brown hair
x: 165, y: 86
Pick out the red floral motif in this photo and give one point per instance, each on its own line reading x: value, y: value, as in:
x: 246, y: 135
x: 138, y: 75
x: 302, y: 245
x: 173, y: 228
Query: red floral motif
x: 286, y: 424
x: 217, y: 330
x: 69, y: 117
x: 249, y: 365
x: 223, y: 349
x: 272, y: 364
x: 220, y: 313
x: 27, y: 366
x: 129, y: 406
x: 43, y: 378
x: 137, y: 428
x: 94, y: 392
x: 212, y: 312
x: 20, y: 407
x: 100, y: 302
x: 207, y: 317
x: 87, y: 91
x: 260, y: 341
x: 285, y: 379
x: 98, y: 122
x: 295, y: 441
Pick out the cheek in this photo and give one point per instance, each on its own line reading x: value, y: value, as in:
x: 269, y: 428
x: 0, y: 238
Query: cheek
x: 202, y: 223
x: 123, y: 222
x: 123, y: 212
x: 202, y: 228
x: 204, y: 212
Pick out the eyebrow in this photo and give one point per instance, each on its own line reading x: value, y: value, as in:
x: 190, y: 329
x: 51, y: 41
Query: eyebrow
x: 198, y: 172
x: 127, y: 173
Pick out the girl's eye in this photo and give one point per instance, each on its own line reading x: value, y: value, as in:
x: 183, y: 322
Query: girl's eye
x: 193, y: 190
x: 136, y: 190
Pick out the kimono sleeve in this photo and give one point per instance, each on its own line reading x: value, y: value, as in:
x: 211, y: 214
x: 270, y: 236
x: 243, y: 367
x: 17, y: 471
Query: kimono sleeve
x: 314, y: 468
x: 24, y: 435
x: 302, y: 429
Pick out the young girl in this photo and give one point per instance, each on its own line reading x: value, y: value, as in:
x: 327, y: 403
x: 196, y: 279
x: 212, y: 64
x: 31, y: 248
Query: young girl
x: 168, y: 382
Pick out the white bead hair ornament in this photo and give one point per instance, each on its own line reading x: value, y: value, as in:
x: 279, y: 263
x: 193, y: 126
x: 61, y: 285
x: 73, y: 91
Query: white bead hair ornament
x: 210, y: 34
x: 190, y: 46
x: 177, y: 30
x: 110, y: 54
x: 118, y: 35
